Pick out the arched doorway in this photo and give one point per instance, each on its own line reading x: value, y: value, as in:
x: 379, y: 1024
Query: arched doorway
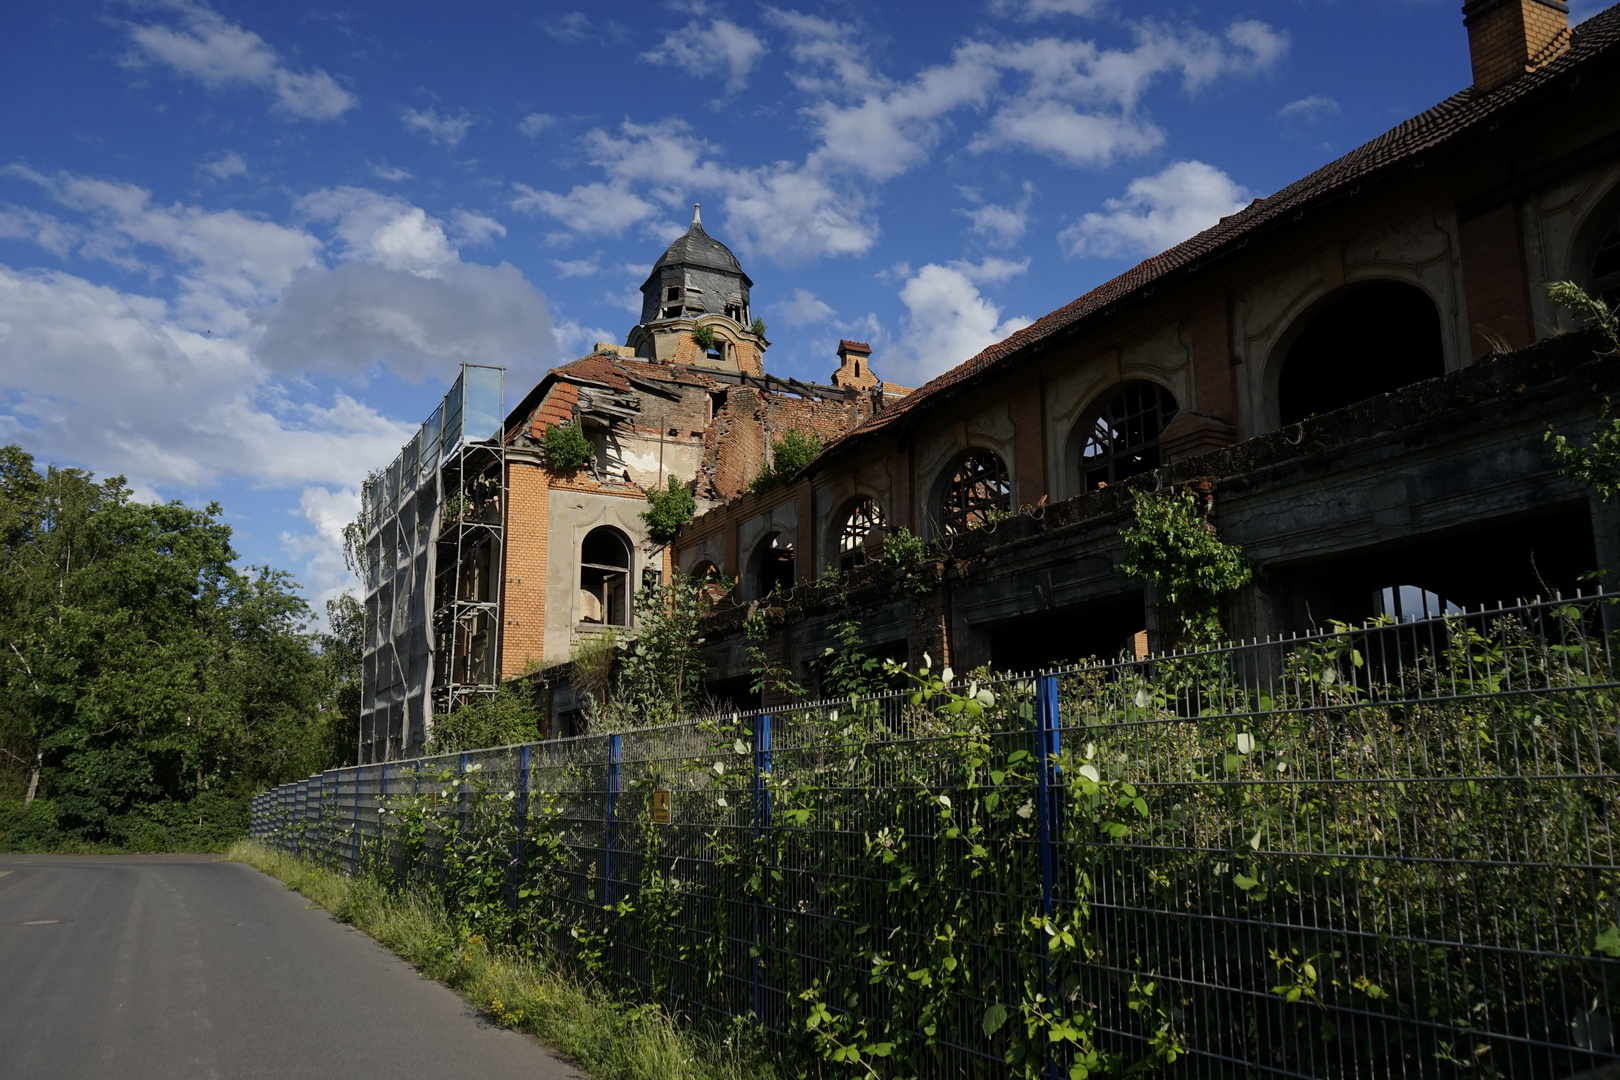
x: 1606, y: 265
x: 1370, y: 340
x: 773, y: 566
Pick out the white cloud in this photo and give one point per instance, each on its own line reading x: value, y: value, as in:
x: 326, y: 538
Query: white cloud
x: 723, y: 48
x: 1036, y: 9
x: 575, y: 27
x: 803, y: 309
x: 224, y: 166
x: 1157, y: 212
x: 324, y: 577
x: 1002, y: 226
x: 588, y: 208
x: 220, y: 54
x: 572, y: 268
x: 445, y: 130
x: 474, y: 229
x: 533, y: 124
x: 947, y: 319
x: 18, y: 223
x: 574, y: 340
x: 1309, y: 109
x: 392, y: 173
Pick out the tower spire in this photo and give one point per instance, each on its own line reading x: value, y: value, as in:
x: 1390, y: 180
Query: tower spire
x: 697, y: 219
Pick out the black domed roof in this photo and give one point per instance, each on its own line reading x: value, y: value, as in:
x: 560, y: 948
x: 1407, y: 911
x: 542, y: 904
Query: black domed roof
x: 698, y: 248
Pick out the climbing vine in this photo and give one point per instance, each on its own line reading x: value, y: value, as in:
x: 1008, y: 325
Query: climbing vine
x: 1174, y: 548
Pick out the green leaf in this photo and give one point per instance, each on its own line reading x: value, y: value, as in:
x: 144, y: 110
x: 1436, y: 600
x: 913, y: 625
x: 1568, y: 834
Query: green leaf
x: 1244, y: 882
x: 1608, y: 942
x: 1090, y: 773
x: 994, y: 1017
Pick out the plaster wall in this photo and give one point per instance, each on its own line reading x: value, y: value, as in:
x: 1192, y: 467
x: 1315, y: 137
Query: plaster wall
x: 573, y: 514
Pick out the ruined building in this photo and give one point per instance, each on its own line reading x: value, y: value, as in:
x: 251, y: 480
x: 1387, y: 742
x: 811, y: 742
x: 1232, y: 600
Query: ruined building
x: 1355, y: 373
x: 484, y: 563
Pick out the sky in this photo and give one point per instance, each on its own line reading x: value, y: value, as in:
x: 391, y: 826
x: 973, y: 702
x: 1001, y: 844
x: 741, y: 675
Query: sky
x: 245, y: 247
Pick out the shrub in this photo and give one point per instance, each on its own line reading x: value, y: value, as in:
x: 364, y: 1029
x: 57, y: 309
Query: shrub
x: 1175, y: 549
x: 704, y: 336
x: 593, y: 656
x: 759, y: 327
x: 789, y: 454
x: 903, y: 549
x: 499, y: 719
x: 566, y: 447
x: 671, y: 507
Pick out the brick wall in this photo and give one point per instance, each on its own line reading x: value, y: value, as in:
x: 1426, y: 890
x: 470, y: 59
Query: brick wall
x: 1214, y: 382
x: 523, y: 607
x: 1507, y: 39
x: 1495, y: 281
x: 1029, y: 443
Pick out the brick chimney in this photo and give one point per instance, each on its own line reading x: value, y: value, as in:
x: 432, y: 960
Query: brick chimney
x: 854, y: 366
x: 1507, y: 38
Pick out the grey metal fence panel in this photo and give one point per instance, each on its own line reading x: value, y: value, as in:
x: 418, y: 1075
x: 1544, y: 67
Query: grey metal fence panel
x: 1381, y: 851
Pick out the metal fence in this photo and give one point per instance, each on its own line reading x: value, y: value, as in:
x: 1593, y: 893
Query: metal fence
x: 1383, y: 851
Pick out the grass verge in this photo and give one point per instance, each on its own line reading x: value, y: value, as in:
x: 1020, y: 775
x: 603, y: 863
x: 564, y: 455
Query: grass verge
x: 610, y: 1040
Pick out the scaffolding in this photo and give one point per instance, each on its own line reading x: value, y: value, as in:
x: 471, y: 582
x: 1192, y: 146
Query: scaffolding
x: 434, y: 521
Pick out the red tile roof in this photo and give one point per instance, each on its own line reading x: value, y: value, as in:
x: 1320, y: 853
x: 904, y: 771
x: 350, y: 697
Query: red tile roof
x: 1406, y: 145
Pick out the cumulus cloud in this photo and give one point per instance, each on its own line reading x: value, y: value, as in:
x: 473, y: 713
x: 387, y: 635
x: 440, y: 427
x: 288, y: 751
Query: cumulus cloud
x: 1157, y: 212
x: 224, y: 166
x: 1001, y: 226
x: 948, y: 320
x: 575, y: 27
x: 803, y: 309
x: 221, y: 54
x: 1038, y: 9
x: 533, y: 124
x: 574, y: 339
x: 446, y: 130
x: 474, y: 229
x: 1309, y: 109
x: 721, y: 48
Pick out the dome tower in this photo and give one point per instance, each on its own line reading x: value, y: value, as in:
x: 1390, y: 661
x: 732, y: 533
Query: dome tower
x: 695, y: 308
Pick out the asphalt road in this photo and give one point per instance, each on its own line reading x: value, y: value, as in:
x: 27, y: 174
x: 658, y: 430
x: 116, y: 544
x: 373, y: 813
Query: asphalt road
x: 184, y: 966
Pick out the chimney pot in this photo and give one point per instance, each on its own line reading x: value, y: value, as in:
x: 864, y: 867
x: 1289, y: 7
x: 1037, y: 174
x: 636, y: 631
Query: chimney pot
x: 1507, y: 38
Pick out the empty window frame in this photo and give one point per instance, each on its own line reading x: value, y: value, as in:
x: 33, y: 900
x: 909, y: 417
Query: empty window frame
x: 604, y: 578
x: 773, y: 565
x: 1124, y: 437
x: 976, y: 492
x: 865, y: 518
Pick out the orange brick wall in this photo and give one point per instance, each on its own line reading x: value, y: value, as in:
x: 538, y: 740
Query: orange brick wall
x: 1495, y: 281
x: 523, y: 607
x: 1029, y: 443
x: 1214, y: 382
x: 1504, y: 40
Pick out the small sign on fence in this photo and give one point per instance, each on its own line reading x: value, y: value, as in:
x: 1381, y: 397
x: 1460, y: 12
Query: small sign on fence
x: 660, y: 807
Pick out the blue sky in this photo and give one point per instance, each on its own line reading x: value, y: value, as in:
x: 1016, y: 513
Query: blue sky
x: 243, y: 247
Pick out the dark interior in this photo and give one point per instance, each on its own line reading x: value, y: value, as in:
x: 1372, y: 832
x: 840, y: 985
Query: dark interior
x: 1374, y: 339
x: 1102, y: 629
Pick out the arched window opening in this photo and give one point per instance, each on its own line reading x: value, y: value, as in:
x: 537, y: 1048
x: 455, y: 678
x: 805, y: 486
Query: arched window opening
x: 604, y: 578
x: 1606, y: 266
x: 977, y: 491
x: 1409, y: 603
x: 864, y: 525
x: 1373, y: 339
x: 773, y: 565
x: 705, y: 571
x: 1123, y: 440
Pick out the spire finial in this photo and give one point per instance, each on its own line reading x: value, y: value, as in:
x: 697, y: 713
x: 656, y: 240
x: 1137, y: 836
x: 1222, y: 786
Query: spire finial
x: 697, y: 218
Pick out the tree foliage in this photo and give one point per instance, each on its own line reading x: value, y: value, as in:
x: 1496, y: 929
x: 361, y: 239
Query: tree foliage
x: 789, y: 455
x: 149, y: 684
x: 1175, y: 549
x: 503, y: 718
x: 566, y: 447
x: 1598, y: 461
x: 671, y: 507
x: 660, y: 668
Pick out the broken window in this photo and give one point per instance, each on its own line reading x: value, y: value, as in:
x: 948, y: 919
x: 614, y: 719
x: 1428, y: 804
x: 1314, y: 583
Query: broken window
x: 865, y: 518
x: 604, y: 578
x: 773, y: 565
x: 734, y: 312
x: 1606, y: 266
x: 1409, y: 603
x: 672, y: 293
x: 977, y: 492
x: 1124, y: 438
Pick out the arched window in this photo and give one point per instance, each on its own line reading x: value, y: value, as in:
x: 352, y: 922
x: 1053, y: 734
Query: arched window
x: 1124, y: 438
x: 704, y: 571
x: 1606, y: 266
x: 864, y: 519
x: 773, y: 565
x: 975, y: 491
x: 1371, y: 340
x: 604, y: 578
x: 1409, y: 603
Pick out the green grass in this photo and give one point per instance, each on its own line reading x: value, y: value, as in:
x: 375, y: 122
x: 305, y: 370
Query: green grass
x: 611, y: 1040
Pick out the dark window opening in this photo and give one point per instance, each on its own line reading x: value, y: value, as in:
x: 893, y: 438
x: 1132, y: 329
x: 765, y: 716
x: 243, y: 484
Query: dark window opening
x: 734, y: 312
x: 604, y: 578
x: 1101, y: 629
x: 1374, y: 339
x: 717, y: 402
x: 1124, y: 439
x: 672, y: 313
x: 978, y: 492
x: 863, y: 525
x: 774, y: 565
x: 1606, y: 267
x: 1409, y: 603
x: 672, y: 293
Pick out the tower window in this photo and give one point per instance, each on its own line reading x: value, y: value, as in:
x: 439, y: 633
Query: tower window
x: 672, y: 293
x: 1124, y: 438
x: 604, y: 578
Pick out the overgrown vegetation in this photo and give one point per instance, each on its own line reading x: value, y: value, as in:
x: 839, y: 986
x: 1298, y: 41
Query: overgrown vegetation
x: 671, y: 507
x: 503, y: 718
x: 566, y: 448
x: 1597, y: 462
x: 660, y: 678
x: 789, y: 455
x: 1175, y: 549
x: 609, y: 1039
x: 703, y: 336
x: 149, y: 685
x: 759, y: 327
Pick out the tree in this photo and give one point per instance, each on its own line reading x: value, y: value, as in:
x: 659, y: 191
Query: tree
x: 1174, y: 548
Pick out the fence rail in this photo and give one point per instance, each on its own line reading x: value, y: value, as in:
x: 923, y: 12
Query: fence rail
x: 1382, y: 851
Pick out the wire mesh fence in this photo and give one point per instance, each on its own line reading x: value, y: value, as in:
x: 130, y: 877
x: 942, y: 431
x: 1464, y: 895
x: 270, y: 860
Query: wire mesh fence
x: 1381, y: 851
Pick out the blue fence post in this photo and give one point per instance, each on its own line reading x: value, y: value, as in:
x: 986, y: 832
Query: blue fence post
x: 1048, y: 809
x: 522, y: 817
x: 762, y: 822
x: 612, y: 809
